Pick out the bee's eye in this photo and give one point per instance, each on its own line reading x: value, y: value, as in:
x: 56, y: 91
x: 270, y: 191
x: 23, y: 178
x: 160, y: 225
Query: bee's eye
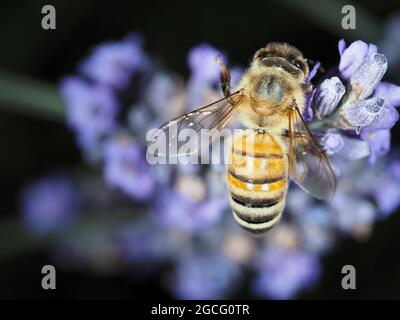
x: 263, y: 55
x: 298, y: 64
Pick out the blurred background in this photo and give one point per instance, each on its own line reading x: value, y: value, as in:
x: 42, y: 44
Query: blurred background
x: 77, y: 204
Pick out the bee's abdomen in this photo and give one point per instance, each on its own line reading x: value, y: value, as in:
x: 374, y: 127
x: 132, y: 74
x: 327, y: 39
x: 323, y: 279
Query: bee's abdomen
x: 257, y: 180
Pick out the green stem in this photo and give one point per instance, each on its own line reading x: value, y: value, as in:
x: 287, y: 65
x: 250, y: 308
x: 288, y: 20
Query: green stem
x: 26, y: 96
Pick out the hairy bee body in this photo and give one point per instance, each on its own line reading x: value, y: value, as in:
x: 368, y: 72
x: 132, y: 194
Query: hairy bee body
x: 257, y: 179
x: 277, y: 145
x: 258, y: 170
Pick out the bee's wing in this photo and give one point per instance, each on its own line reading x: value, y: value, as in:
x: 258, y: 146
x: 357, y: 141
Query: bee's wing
x: 309, y: 167
x: 213, y: 116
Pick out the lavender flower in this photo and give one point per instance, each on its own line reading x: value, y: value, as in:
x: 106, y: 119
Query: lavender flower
x: 298, y: 202
x: 390, y: 92
x: 353, y: 148
x: 313, y: 71
x: 139, y: 244
x: 164, y: 97
x: 237, y: 246
x: 353, y: 56
x: 327, y: 97
x: 394, y: 168
x: 204, y: 73
x: 49, y: 204
x: 389, y: 199
x: 282, y: 274
x: 200, y: 276
x: 386, y: 118
x: 378, y: 141
x: 331, y: 140
x: 114, y: 63
x: 203, y: 66
x: 91, y: 110
x: 353, y: 214
x: 317, y: 230
x: 389, y: 115
x: 367, y: 106
x: 184, y: 206
x: 308, y: 112
x: 125, y: 167
x: 188, y: 207
x: 365, y: 79
x: 363, y: 113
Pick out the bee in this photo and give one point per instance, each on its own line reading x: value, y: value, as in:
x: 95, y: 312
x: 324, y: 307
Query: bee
x: 269, y: 102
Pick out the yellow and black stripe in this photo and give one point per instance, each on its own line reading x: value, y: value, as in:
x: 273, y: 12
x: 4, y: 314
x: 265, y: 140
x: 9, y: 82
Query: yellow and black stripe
x: 257, y: 180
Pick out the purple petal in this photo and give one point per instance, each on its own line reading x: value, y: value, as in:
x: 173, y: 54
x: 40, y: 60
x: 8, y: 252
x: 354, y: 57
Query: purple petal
x: 394, y: 169
x: 308, y: 113
x: 331, y: 141
x: 283, y: 274
x: 354, y: 148
x: 389, y: 200
x: 363, y: 113
x: 388, y: 91
x: 327, y: 97
x: 378, y: 141
x: 313, y: 71
x: 113, y: 63
x: 366, y: 78
x: 49, y: 204
x: 386, y: 119
x: 203, y: 66
x: 91, y: 110
x: 204, y: 277
x: 352, y: 212
x: 126, y: 168
x: 372, y: 49
x: 341, y: 46
x: 178, y: 211
x: 316, y: 226
x: 352, y: 57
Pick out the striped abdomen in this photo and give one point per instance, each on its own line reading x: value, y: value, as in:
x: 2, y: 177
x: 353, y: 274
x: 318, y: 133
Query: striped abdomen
x: 257, y: 181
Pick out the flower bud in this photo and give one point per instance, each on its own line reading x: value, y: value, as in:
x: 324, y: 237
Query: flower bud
x: 362, y: 113
x: 203, y: 66
x: 330, y: 140
x: 353, y: 148
x: 327, y: 97
x: 378, y: 141
x: 368, y: 75
x: 386, y: 119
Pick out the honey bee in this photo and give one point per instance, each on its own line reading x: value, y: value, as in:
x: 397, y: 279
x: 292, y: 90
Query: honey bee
x: 269, y: 101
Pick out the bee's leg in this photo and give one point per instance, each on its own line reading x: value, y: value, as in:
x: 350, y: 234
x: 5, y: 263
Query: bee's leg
x: 225, y: 76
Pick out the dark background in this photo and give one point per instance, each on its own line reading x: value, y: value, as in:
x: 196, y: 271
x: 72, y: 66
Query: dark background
x: 31, y: 146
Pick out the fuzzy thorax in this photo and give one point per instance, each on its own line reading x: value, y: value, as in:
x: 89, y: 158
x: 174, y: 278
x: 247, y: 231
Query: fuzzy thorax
x: 268, y: 93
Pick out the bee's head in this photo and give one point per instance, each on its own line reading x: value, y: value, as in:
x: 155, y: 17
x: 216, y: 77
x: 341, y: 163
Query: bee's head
x: 285, y: 57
